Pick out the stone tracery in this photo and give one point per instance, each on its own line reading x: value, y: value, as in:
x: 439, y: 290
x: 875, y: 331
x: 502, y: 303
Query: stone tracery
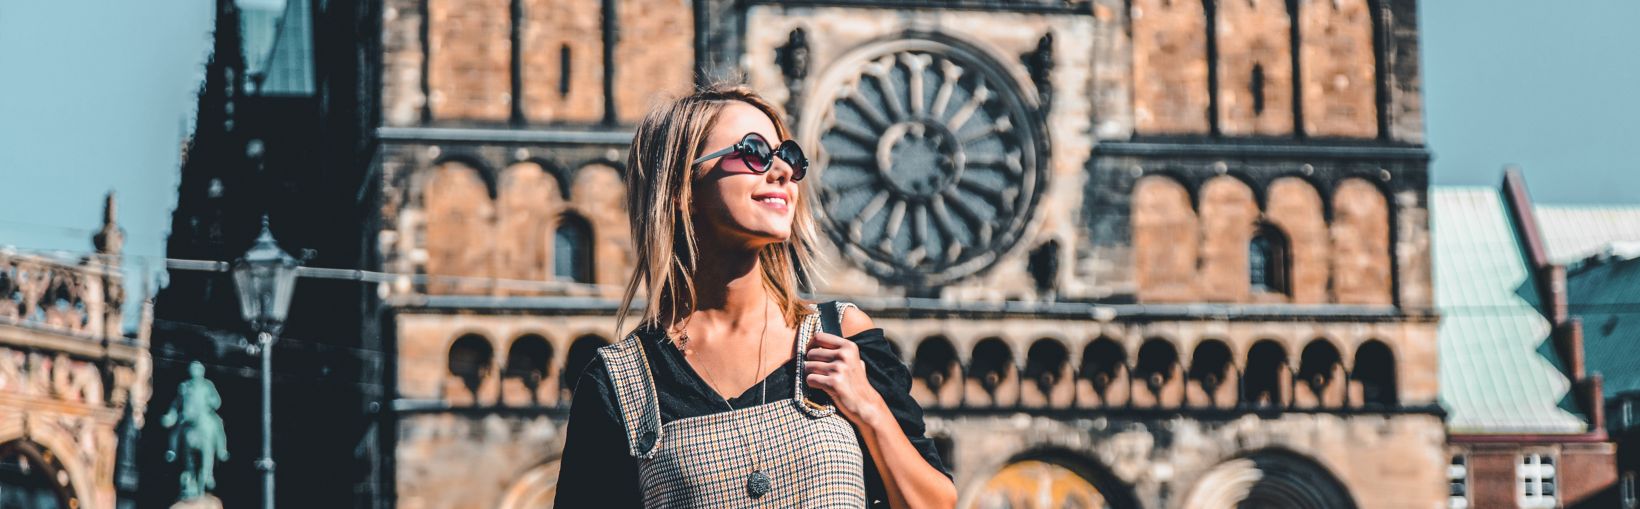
x: 929, y: 157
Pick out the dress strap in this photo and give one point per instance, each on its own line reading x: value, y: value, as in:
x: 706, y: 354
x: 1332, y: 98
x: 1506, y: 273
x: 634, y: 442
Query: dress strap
x: 635, y: 390
x: 801, y: 394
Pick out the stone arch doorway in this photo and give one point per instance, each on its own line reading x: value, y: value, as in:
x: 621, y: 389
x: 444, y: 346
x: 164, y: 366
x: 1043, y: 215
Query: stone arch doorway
x: 1053, y: 480
x: 536, y: 489
x: 1269, y: 480
x: 32, y: 478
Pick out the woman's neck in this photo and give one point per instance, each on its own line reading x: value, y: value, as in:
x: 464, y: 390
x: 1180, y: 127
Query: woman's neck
x: 729, y: 292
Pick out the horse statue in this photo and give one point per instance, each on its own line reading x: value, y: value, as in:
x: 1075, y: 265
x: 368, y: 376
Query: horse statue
x: 193, y: 422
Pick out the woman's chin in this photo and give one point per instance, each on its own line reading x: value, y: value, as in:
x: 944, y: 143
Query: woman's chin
x: 765, y: 237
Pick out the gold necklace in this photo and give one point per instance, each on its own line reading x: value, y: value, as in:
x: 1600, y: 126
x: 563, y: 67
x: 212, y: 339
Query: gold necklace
x: 757, y: 483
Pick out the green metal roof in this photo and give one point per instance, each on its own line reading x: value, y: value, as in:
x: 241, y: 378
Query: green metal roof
x: 1606, y: 295
x: 1602, y: 284
x: 1498, y: 370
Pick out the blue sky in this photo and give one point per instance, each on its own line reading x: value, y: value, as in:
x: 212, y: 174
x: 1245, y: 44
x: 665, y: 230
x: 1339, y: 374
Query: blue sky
x: 97, y: 94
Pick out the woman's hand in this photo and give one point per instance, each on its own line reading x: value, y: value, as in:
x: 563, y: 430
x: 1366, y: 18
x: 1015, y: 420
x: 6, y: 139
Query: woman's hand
x: 833, y: 365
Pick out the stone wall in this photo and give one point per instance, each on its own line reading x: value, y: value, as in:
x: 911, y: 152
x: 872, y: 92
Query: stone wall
x: 469, y: 59
x: 1255, y: 68
x: 1339, y: 77
x: 655, y: 57
x: 1184, y: 462
x: 563, y: 61
x: 468, y: 461
x: 451, y: 215
x: 462, y: 62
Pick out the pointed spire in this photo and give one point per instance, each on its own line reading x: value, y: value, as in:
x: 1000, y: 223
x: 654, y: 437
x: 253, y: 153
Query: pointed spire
x: 110, y: 240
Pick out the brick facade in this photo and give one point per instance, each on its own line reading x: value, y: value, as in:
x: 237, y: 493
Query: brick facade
x: 1084, y: 310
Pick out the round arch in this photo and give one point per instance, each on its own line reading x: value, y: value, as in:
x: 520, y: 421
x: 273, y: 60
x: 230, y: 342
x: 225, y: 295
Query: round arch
x: 1272, y: 478
x: 72, y: 480
x: 1067, y: 478
x: 1048, y: 375
x: 936, y: 373
x: 535, y: 489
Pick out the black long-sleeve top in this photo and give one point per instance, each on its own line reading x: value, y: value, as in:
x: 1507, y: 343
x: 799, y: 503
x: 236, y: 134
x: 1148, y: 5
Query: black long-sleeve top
x: 598, y: 471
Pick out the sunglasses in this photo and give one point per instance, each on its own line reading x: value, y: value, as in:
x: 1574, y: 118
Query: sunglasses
x: 760, y: 157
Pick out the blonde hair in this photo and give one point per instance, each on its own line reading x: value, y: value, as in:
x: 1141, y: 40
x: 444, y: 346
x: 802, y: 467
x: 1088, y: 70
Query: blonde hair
x: 660, y: 175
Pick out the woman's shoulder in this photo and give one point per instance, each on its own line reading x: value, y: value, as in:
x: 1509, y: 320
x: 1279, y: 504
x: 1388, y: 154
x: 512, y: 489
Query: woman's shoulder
x: 855, y: 321
x: 852, y: 320
x: 595, y: 372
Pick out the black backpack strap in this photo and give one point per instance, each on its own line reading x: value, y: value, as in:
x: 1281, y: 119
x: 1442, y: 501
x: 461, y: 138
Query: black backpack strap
x: 831, y: 318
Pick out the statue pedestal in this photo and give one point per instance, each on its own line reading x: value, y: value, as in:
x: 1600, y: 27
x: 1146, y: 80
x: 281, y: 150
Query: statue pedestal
x: 206, y: 501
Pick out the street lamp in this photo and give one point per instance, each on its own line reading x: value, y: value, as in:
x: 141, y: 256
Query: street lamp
x: 259, y: 24
x: 265, y: 278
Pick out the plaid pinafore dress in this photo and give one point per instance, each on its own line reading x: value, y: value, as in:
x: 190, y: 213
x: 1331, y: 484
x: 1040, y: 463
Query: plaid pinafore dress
x: 809, y: 452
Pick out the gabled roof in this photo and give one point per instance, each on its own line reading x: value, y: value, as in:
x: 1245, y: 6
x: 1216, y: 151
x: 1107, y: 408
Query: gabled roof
x: 1606, y: 296
x: 1499, y: 372
x: 1599, y: 246
x: 1573, y: 232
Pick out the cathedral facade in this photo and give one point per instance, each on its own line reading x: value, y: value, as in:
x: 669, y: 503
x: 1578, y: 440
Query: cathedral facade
x: 1137, y: 253
x: 73, y: 384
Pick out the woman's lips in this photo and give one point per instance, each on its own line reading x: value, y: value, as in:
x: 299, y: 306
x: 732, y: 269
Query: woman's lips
x: 776, y: 201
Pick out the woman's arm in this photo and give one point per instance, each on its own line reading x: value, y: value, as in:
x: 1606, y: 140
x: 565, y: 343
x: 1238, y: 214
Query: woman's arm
x: 834, y: 365
x: 596, y: 470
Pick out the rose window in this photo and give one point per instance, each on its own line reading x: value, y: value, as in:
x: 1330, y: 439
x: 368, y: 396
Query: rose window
x: 928, y: 162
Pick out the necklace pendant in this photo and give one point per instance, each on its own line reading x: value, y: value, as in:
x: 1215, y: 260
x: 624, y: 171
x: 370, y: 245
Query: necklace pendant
x: 758, y: 484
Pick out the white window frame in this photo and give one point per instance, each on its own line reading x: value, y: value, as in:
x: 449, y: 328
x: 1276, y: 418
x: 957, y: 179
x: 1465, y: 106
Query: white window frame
x: 1532, y: 474
x: 1457, y: 472
x: 1631, y: 499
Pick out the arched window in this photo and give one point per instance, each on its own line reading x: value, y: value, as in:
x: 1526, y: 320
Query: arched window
x: 1103, y: 378
x: 1320, y: 370
x: 564, y: 68
x: 1265, y: 382
x: 1374, y: 375
x: 1047, y: 370
x: 1212, y: 376
x: 1267, y: 261
x: 527, y: 361
x: 1255, y: 86
x: 572, y: 250
x: 470, y: 358
x: 936, y: 374
x: 991, y: 376
x: 1156, y: 375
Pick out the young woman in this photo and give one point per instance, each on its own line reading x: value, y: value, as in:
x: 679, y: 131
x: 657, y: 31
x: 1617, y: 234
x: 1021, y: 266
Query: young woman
x: 710, y: 401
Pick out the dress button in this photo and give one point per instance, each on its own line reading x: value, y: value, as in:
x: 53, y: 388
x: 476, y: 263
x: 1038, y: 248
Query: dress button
x: 646, y: 440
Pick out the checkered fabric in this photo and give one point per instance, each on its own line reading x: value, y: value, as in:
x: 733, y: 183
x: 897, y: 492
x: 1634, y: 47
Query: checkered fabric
x: 808, y: 451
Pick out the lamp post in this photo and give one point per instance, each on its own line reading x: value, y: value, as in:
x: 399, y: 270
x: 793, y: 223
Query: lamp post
x: 265, y: 278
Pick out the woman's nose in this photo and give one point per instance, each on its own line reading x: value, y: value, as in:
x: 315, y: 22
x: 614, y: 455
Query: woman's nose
x: 779, y: 171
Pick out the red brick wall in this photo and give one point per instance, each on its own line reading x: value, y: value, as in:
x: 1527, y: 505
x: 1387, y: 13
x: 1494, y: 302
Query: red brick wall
x: 1492, y: 478
x: 1585, y: 473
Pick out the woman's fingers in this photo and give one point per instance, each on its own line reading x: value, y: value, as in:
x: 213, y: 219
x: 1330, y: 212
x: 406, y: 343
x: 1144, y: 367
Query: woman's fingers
x: 823, y: 354
x: 845, y: 349
x: 816, y: 368
x: 838, y: 369
x: 819, y: 381
x: 828, y: 340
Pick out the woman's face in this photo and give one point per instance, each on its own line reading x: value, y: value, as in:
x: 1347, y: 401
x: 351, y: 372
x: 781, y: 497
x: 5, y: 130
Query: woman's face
x: 733, y: 203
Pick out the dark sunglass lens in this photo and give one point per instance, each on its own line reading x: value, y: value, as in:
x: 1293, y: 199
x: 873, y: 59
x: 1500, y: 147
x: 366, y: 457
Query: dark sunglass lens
x: 793, y: 155
x: 756, y: 152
